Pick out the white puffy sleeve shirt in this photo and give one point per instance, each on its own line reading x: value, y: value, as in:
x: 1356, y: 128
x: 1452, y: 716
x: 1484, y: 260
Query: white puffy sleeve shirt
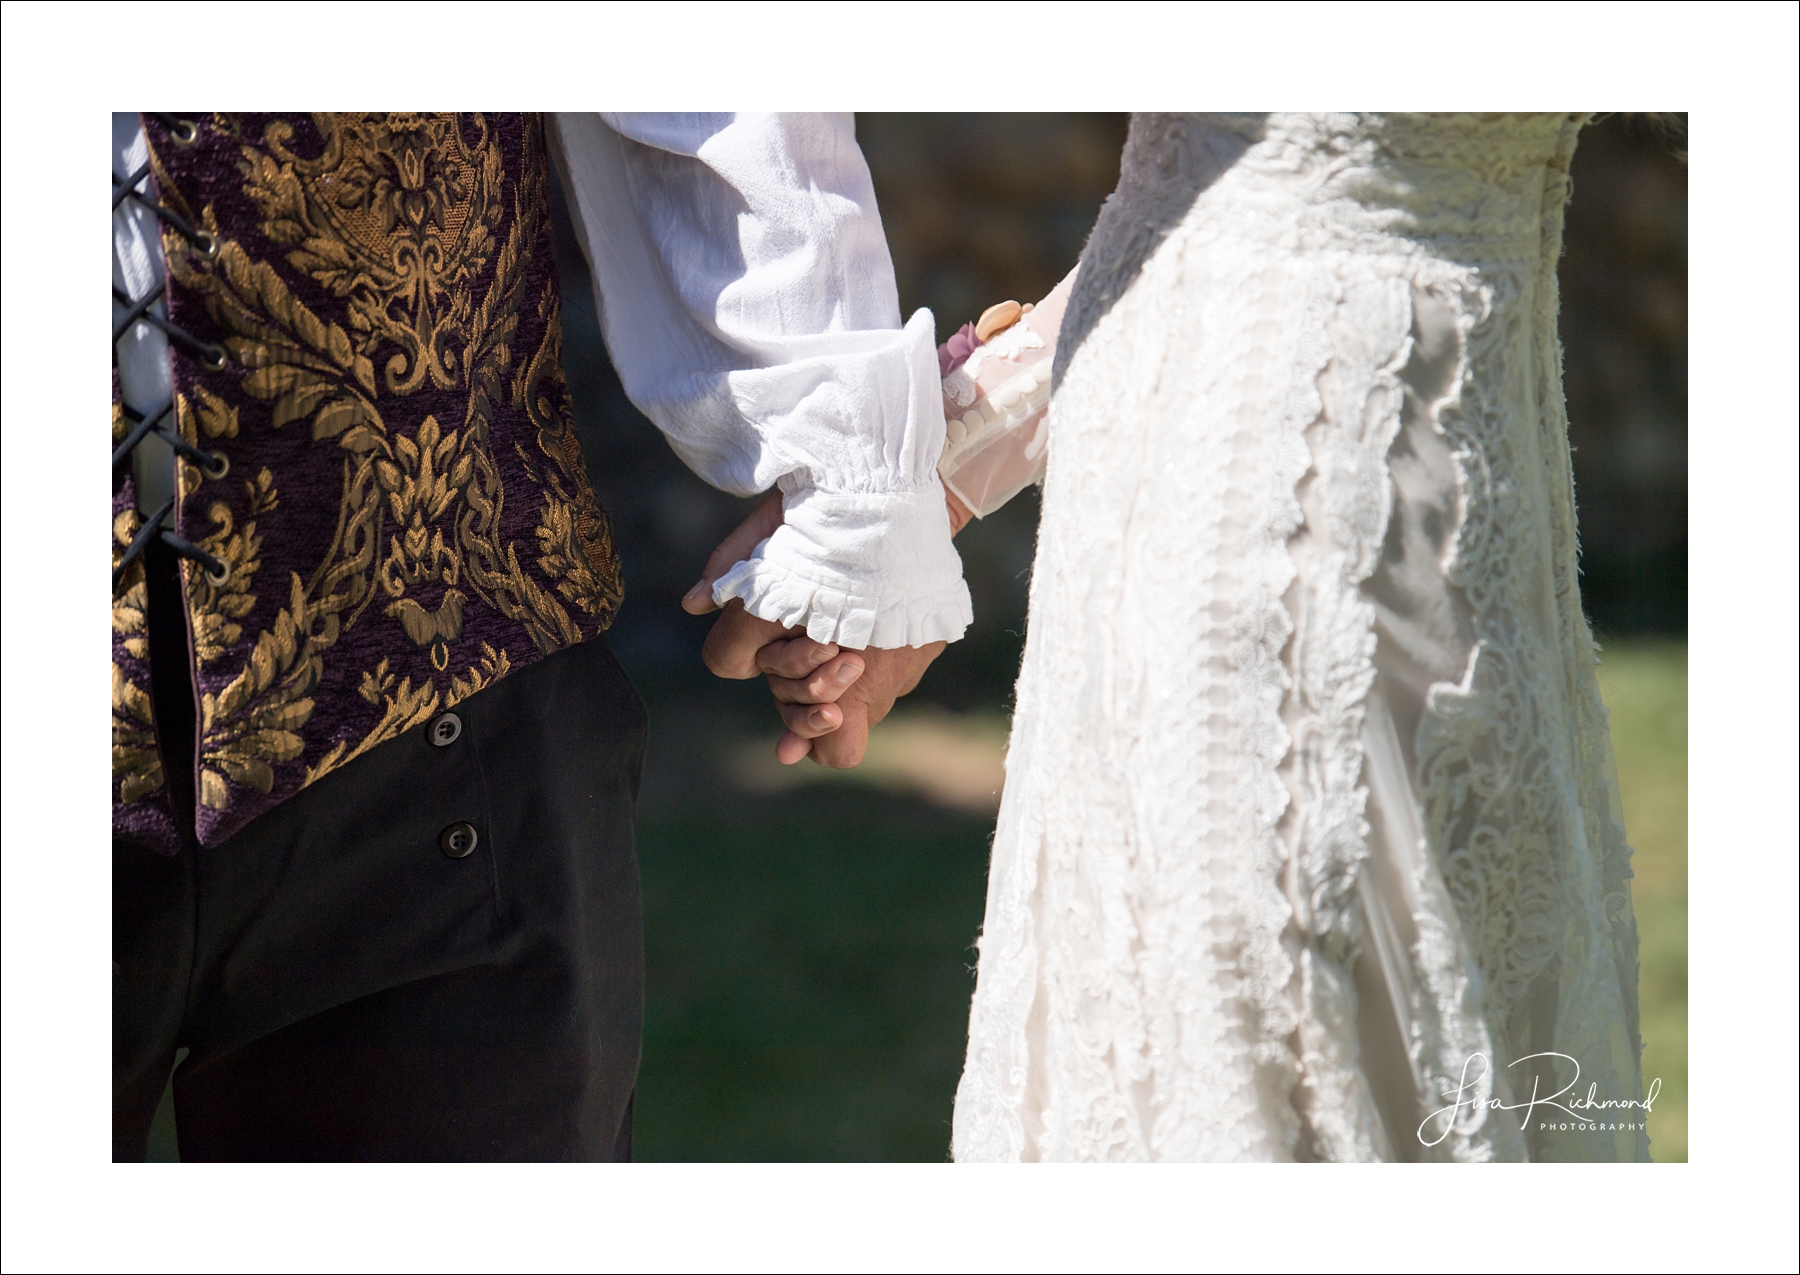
x: 748, y: 302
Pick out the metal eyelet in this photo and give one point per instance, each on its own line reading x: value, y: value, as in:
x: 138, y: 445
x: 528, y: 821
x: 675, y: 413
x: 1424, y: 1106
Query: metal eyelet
x: 185, y: 132
x: 220, y: 468
x: 219, y: 579
x: 213, y: 360
x: 206, y: 243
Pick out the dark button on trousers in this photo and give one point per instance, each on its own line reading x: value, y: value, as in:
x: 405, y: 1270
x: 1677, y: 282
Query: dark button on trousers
x: 348, y: 990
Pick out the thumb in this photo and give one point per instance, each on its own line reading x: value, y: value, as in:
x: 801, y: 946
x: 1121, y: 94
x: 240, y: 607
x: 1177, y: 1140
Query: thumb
x: 755, y: 529
x: 844, y: 747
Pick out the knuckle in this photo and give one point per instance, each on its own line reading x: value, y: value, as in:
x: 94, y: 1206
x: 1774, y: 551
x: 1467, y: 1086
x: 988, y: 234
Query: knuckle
x: 724, y: 664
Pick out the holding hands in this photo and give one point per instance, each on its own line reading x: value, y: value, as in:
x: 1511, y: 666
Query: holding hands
x: 828, y: 698
x: 996, y: 385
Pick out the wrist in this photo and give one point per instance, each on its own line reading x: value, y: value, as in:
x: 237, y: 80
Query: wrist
x: 959, y: 512
x: 857, y: 569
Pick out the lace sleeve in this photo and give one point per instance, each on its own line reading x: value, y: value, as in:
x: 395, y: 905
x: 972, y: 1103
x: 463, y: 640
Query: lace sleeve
x: 997, y: 399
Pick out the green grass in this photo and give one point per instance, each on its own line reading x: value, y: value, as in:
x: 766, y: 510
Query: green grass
x: 809, y: 952
x: 810, y: 969
x: 1645, y: 686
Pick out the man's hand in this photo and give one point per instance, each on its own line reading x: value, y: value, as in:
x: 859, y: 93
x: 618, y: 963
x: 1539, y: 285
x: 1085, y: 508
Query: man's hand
x: 828, y: 698
x: 736, y: 636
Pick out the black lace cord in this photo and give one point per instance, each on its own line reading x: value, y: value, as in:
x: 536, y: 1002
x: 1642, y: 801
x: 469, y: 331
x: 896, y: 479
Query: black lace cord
x: 144, y: 425
x: 141, y: 541
x: 127, y: 188
x: 212, y: 357
x: 218, y: 571
x: 214, y: 464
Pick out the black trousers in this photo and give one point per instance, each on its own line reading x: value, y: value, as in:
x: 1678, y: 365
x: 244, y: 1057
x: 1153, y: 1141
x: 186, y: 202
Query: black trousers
x: 347, y: 990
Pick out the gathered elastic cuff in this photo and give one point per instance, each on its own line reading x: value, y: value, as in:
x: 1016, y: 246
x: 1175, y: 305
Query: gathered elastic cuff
x: 858, y: 569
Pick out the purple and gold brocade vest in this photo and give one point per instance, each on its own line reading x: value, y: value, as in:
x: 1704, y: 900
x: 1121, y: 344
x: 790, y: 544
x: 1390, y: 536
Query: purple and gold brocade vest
x: 404, y: 513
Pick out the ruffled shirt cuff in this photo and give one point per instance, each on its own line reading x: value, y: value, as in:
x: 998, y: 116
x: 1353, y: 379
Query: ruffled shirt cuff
x: 859, y: 569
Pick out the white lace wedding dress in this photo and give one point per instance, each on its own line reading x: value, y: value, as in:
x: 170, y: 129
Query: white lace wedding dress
x: 1309, y: 842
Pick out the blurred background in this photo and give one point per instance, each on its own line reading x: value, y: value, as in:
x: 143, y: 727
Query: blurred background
x: 811, y: 961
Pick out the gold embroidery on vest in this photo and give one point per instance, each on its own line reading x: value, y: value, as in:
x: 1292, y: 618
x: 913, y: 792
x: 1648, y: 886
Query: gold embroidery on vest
x: 256, y: 720
x: 403, y: 708
x: 492, y: 666
x: 137, y: 767
x: 214, y: 610
x: 574, y: 543
x: 136, y: 763
x: 218, y: 419
x: 396, y: 218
